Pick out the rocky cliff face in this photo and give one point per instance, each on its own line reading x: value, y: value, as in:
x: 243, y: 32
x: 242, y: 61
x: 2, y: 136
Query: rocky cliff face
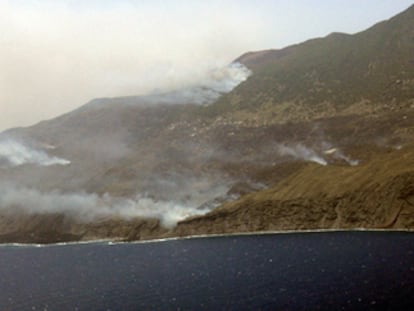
x: 320, y: 135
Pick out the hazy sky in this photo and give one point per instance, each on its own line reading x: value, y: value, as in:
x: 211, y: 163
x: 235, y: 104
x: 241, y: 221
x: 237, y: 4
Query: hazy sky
x: 57, y: 55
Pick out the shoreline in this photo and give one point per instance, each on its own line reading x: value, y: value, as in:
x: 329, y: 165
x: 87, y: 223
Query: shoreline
x: 119, y: 241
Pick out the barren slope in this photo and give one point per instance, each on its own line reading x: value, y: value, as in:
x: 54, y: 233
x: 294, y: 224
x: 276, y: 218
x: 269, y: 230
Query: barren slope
x: 336, y: 101
x: 376, y: 194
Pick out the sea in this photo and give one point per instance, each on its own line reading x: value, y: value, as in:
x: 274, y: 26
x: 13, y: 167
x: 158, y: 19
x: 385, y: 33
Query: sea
x: 342, y: 270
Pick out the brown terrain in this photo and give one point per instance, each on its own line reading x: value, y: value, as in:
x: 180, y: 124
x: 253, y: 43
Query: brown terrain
x: 320, y: 136
x: 378, y: 194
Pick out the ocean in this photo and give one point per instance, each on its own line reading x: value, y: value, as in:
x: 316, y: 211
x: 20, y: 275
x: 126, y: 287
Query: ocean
x: 354, y: 270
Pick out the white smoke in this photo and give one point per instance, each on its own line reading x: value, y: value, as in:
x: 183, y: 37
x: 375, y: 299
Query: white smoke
x: 13, y: 153
x: 302, y: 152
x: 89, y: 207
x: 122, y: 49
x: 223, y: 80
x: 323, y: 154
x: 338, y: 154
x: 205, y: 90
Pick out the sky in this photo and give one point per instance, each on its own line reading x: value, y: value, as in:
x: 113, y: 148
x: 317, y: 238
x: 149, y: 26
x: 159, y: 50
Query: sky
x: 57, y: 55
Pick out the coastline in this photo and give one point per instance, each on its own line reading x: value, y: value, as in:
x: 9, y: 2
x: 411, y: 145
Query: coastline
x: 119, y: 241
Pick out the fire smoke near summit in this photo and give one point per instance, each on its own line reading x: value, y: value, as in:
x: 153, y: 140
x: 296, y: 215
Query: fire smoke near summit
x: 57, y: 55
x: 136, y: 120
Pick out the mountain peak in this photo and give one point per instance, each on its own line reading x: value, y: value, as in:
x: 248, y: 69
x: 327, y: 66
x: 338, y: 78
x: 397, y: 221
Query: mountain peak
x: 362, y: 73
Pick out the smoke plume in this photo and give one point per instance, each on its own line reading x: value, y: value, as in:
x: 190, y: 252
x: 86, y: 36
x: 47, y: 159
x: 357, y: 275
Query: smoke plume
x: 300, y: 151
x: 55, y: 57
x: 338, y: 154
x: 205, y: 91
x: 13, y: 153
x: 86, y: 207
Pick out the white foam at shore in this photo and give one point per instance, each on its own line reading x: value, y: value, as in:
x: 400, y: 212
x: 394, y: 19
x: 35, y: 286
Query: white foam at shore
x: 120, y: 241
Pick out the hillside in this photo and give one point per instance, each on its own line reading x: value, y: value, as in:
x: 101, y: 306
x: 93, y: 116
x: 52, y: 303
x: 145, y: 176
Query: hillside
x: 369, y: 72
x: 375, y: 195
x: 320, y: 135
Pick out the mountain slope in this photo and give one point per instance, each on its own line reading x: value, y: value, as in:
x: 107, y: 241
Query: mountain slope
x: 125, y: 167
x: 316, y: 197
x: 372, y: 71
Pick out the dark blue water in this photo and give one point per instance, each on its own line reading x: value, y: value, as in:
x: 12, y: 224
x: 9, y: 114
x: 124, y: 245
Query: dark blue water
x: 302, y: 271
